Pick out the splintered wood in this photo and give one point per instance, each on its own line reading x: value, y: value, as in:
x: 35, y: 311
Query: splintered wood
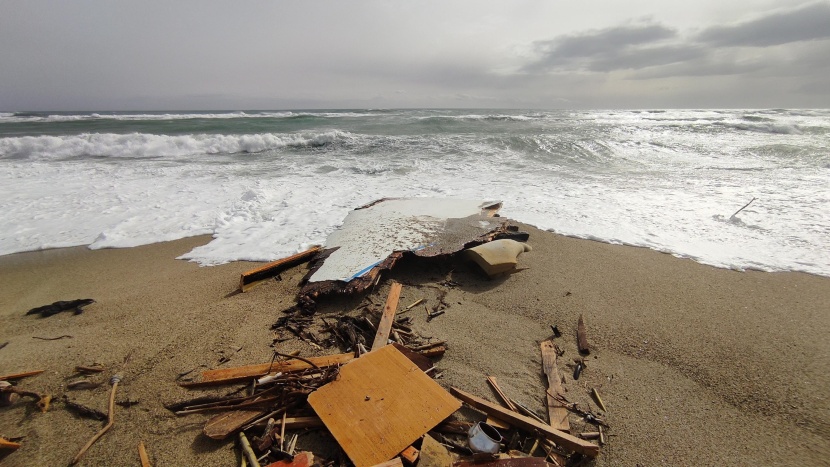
x: 379, y: 405
x: 557, y: 413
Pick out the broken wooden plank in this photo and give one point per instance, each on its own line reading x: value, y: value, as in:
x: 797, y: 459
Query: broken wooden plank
x: 241, y: 373
x: 557, y: 413
x: 388, y: 316
x: 226, y: 424
x: 424, y: 363
x: 24, y: 374
x: 380, y: 404
x: 581, y: 337
x: 250, y: 279
x: 559, y: 437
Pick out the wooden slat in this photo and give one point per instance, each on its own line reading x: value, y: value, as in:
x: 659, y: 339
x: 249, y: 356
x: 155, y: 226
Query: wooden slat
x: 557, y: 413
x: 380, y: 404
x: 241, y: 373
x: 388, y: 317
x: 250, y: 278
x: 559, y: 437
x: 505, y: 400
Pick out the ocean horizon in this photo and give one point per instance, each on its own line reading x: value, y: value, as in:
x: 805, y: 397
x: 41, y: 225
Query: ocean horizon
x: 266, y: 184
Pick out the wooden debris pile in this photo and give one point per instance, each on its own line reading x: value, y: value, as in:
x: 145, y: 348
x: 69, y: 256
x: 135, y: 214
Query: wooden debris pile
x: 380, y: 404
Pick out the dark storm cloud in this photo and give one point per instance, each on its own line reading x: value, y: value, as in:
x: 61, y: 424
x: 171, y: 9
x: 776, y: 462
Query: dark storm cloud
x: 596, y: 47
x: 656, y: 51
x: 804, y: 24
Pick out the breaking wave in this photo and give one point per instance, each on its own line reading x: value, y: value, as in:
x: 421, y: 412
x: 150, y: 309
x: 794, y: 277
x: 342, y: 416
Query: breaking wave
x: 138, y: 145
x: 36, y: 117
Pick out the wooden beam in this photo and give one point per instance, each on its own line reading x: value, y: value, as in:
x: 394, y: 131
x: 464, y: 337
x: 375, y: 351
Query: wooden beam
x: 251, y: 278
x: 559, y: 437
x: 388, y: 317
x: 557, y: 413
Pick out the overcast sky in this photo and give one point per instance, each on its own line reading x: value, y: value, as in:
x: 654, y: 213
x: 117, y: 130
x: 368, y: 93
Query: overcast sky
x: 278, y: 54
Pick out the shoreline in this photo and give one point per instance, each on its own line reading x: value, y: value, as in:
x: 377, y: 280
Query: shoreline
x: 696, y: 364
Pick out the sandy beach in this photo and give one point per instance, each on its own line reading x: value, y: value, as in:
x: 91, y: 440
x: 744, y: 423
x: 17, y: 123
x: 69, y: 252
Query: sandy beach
x: 696, y: 365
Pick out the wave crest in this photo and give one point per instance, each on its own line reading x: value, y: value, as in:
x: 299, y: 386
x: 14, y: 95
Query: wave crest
x: 139, y: 145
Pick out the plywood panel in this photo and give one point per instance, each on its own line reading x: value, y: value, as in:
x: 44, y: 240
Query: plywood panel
x: 380, y: 404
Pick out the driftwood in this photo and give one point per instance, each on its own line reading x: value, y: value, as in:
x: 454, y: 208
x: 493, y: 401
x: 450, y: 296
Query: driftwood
x: 110, y: 421
x: 142, y: 455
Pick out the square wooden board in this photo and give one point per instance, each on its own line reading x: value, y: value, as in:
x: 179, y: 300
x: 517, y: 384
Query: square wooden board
x: 379, y: 404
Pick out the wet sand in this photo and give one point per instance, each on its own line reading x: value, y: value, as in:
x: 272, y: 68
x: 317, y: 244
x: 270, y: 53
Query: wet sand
x: 696, y: 365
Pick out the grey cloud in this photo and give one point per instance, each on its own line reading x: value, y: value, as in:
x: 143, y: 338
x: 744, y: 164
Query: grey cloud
x: 603, y: 45
x: 804, y: 24
x: 635, y: 59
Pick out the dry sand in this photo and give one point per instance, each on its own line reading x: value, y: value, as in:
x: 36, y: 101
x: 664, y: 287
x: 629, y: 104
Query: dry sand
x: 696, y: 365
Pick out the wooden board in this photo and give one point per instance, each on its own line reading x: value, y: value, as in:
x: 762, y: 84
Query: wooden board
x: 557, y: 413
x: 559, y: 437
x: 380, y: 404
x: 388, y: 317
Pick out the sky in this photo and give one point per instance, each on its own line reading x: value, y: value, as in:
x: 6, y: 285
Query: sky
x: 284, y: 54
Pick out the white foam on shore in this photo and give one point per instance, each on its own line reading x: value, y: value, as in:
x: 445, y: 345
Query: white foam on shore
x: 672, y: 192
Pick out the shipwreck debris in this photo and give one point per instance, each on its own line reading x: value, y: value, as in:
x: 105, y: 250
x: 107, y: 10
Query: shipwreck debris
x: 254, y: 277
x: 498, y: 257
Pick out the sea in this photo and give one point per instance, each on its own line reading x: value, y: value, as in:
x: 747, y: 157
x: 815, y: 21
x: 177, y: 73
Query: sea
x: 268, y: 184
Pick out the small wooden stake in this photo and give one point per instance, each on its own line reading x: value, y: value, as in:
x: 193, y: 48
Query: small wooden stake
x: 598, y: 399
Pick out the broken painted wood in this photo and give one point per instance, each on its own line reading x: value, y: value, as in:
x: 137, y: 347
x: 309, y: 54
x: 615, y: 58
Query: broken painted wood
x: 250, y: 279
x: 388, y: 316
x: 582, y: 337
x: 380, y: 404
x: 559, y: 437
x: 557, y: 413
